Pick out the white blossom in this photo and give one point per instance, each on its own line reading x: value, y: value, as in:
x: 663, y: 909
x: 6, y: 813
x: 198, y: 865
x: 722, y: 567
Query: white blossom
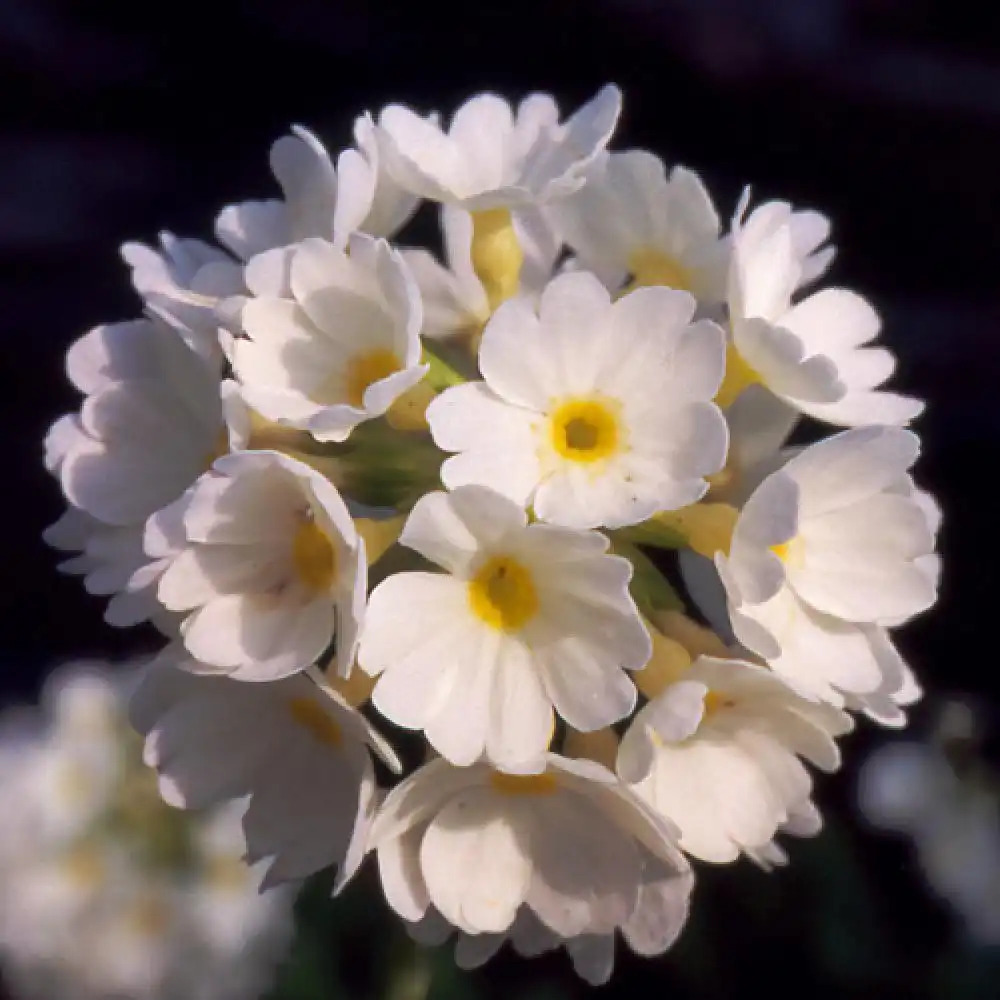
x: 264, y: 560
x: 492, y: 157
x: 570, y: 844
x: 827, y: 551
x: 717, y: 750
x: 530, y: 618
x: 338, y: 346
x: 595, y: 413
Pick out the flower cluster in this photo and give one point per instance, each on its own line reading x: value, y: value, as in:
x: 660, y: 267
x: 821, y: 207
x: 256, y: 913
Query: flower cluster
x: 104, y: 891
x: 364, y: 487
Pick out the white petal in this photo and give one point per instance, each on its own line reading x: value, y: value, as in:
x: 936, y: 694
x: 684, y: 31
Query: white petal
x: 474, y: 864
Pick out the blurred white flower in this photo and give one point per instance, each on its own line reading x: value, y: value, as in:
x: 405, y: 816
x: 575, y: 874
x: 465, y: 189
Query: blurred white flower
x: 104, y: 890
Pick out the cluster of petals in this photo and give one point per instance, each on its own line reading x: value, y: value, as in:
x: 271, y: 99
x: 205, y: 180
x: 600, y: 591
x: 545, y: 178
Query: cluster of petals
x: 361, y: 483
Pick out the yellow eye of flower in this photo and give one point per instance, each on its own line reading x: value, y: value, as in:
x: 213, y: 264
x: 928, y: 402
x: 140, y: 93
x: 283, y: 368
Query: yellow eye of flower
x: 367, y: 368
x: 739, y: 375
x: 585, y: 430
x: 714, y: 702
x: 653, y: 267
x: 314, y: 557
x: 502, y: 594
x: 524, y: 784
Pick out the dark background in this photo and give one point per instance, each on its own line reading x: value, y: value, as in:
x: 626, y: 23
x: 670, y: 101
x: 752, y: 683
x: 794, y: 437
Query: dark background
x: 117, y: 122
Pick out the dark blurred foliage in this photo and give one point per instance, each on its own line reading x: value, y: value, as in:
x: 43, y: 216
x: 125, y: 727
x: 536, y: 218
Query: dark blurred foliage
x: 119, y: 121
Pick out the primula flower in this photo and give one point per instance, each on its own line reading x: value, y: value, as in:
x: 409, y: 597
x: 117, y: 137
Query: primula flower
x: 632, y: 223
x: 196, y: 287
x: 300, y: 754
x: 154, y: 418
x: 716, y: 752
x: 263, y: 556
x: 827, y: 550
x: 813, y: 354
x: 527, y: 619
x: 491, y: 157
x: 572, y: 844
x: 594, y: 412
x: 339, y: 346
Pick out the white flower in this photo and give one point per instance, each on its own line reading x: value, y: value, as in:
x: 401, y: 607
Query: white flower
x: 493, y: 158
x: 104, y: 891
x: 264, y: 556
x: 631, y: 221
x: 572, y: 845
x: 456, y: 300
x: 319, y: 199
x: 827, y: 551
x: 595, y: 413
x: 341, y: 348
x: 809, y: 231
x: 812, y: 354
x: 716, y: 753
x: 528, y: 618
x: 298, y: 752
x: 151, y: 422
x: 183, y: 284
x: 154, y: 418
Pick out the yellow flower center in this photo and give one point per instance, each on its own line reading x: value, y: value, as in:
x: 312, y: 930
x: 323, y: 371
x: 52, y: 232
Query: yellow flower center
x: 314, y: 557
x: 502, y: 594
x: 496, y: 255
x: 714, y: 702
x: 654, y: 267
x: 364, y: 369
x: 311, y: 717
x: 585, y: 430
x: 524, y: 784
x: 790, y: 552
x: 739, y: 375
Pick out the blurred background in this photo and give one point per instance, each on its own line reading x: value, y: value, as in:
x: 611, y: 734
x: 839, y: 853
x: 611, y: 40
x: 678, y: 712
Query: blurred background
x: 117, y: 122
